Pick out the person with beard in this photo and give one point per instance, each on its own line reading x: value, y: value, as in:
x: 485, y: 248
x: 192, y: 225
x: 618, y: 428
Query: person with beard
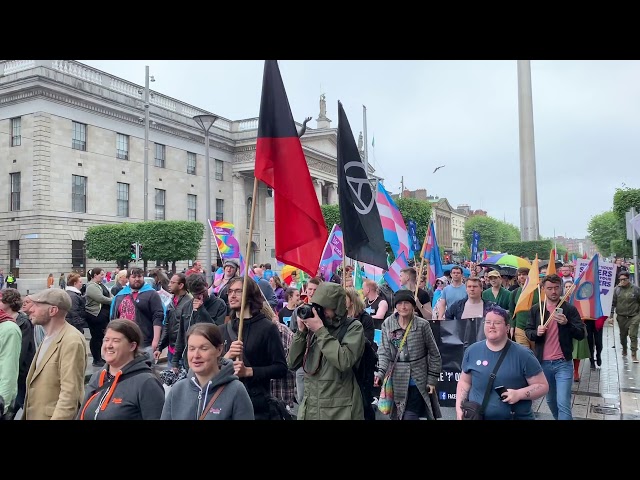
x: 259, y: 356
x: 202, y: 308
x: 180, y: 306
x: 139, y: 302
x: 211, y: 390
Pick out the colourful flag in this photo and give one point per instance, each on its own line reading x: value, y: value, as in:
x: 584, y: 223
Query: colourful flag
x: 584, y: 255
x: 586, y: 292
x: 529, y: 288
x: 333, y: 254
x: 474, y: 245
x: 392, y: 277
x: 393, y: 226
x: 226, y: 242
x: 551, y: 268
x: 371, y: 271
x: 484, y: 255
x: 300, y: 230
x: 431, y: 254
x: 357, y: 282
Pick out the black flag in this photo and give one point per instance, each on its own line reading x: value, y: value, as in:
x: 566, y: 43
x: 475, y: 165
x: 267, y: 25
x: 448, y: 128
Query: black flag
x: 361, y: 227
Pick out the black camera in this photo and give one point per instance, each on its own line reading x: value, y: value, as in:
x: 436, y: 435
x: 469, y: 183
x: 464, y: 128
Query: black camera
x: 304, y: 312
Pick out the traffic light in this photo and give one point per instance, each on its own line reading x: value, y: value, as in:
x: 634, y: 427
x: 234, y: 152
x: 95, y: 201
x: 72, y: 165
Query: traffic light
x: 133, y: 252
x: 139, y: 251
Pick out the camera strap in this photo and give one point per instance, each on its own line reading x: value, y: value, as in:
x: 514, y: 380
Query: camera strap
x: 492, y: 377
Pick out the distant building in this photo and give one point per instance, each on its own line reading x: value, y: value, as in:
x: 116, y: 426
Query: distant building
x: 579, y: 245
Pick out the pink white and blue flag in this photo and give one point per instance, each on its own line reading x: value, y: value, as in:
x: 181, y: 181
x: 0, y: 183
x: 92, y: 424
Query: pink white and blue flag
x: 371, y: 271
x: 393, y: 226
x: 332, y: 255
x: 392, y: 277
x: 431, y: 253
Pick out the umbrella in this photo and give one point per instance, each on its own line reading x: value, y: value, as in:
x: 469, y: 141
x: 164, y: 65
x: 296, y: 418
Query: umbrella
x: 447, y: 268
x: 507, y: 271
x: 505, y: 260
x: 285, y: 273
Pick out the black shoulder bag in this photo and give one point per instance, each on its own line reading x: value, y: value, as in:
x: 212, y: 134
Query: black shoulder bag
x: 473, y: 410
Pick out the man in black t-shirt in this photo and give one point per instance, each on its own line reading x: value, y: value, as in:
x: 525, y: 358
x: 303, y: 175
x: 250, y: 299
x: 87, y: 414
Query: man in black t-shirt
x: 374, y: 303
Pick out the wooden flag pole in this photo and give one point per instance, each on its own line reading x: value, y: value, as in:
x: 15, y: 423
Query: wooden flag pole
x: 344, y: 271
x: 418, y: 277
x: 540, y: 306
x: 246, y: 258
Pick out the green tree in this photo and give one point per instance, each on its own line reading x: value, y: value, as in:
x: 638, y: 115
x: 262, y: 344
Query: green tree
x: 465, y: 252
x: 331, y: 214
x: 623, y: 200
x: 171, y: 240
x: 110, y: 243
x: 417, y: 210
x: 490, y: 229
x: 510, y: 233
x: 602, y: 229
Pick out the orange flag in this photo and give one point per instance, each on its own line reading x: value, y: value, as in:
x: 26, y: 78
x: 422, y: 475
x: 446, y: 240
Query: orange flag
x: 525, y: 301
x: 551, y: 268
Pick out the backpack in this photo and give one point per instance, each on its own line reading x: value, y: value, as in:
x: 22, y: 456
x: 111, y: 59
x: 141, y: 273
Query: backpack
x: 363, y: 370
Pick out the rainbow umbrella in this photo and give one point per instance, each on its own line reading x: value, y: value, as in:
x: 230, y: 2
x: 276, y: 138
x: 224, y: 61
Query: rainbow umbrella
x: 285, y: 273
x: 505, y: 260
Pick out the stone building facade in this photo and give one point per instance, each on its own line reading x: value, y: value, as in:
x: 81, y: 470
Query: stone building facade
x: 72, y: 148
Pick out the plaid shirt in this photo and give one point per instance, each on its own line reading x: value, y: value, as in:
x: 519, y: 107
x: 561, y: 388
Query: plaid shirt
x: 285, y: 388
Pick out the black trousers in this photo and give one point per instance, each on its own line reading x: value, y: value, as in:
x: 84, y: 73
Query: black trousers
x: 594, y: 337
x: 97, y: 326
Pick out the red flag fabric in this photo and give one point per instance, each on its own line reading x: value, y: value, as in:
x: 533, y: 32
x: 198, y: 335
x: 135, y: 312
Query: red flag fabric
x: 280, y: 163
x: 584, y: 255
x: 566, y: 257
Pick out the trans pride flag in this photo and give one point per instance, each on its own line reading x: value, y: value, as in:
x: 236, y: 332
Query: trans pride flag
x: 393, y: 226
x: 333, y: 254
x: 392, y: 277
x: 431, y: 253
x: 586, y: 292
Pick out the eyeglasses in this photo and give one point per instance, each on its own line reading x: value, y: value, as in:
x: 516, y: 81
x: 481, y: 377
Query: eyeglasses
x: 493, y: 324
x: 235, y: 292
x: 623, y: 279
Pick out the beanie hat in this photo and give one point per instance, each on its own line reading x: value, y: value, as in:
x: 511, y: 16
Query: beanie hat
x: 404, y: 295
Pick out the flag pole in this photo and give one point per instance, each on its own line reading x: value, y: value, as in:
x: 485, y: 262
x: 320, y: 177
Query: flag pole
x: 246, y: 258
x: 344, y: 271
x: 540, y: 305
x: 418, y: 278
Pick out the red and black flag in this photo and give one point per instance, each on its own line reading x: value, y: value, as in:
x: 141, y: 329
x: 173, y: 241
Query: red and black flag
x: 362, y: 233
x: 300, y: 230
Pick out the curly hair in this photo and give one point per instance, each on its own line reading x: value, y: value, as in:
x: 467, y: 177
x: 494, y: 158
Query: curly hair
x: 12, y: 297
x: 196, y: 284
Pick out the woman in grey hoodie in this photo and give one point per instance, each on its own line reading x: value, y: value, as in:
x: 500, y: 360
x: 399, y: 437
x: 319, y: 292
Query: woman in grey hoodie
x: 210, y: 391
x: 127, y: 388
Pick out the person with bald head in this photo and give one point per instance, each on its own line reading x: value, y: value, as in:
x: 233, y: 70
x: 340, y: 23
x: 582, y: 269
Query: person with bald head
x: 55, y: 382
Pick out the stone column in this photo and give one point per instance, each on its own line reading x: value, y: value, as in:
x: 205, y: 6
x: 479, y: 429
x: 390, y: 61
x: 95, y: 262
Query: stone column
x: 317, y: 183
x: 333, y: 194
x: 239, y: 209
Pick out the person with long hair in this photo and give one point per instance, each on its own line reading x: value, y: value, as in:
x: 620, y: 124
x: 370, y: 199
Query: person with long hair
x: 211, y: 390
x: 97, y: 308
x: 126, y: 388
x: 260, y: 356
x: 355, y: 309
x: 279, y: 290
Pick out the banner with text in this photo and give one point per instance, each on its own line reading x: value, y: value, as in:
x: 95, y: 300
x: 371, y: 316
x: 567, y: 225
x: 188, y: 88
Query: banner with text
x: 607, y: 280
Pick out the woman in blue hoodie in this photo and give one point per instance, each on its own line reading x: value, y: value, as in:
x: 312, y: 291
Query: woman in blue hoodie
x: 126, y: 388
x: 211, y: 391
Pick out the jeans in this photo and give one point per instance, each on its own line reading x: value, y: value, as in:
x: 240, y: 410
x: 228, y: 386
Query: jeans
x: 559, y: 374
x: 299, y: 385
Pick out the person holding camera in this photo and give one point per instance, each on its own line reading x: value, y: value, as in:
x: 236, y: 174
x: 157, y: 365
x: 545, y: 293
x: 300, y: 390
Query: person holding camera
x: 553, y: 336
x: 331, y: 390
x: 519, y: 378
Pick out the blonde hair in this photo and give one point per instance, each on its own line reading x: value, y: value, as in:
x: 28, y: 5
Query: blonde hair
x: 121, y: 274
x: 357, y: 305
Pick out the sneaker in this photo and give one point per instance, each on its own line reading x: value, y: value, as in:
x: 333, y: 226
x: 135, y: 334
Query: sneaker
x: 99, y: 363
x: 634, y: 357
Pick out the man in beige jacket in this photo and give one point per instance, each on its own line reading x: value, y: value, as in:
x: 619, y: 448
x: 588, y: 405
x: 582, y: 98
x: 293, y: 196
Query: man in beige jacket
x: 55, y: 382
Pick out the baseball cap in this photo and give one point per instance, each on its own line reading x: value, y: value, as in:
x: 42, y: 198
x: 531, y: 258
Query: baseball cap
x: 53, y: 296
x: 493, y: 273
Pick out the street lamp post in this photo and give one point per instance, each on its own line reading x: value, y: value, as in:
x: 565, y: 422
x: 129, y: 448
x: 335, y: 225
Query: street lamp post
x: 146, y: 144
x: 205, y: 122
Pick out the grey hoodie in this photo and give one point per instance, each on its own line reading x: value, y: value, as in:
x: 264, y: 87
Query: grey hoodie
x: 187, y: 400
x: 135, y: 394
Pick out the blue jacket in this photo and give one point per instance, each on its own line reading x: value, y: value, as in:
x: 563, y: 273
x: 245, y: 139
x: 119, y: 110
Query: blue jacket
x: 150, y: 311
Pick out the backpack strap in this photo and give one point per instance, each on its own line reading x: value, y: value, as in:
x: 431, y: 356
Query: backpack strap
x: 342, y: 331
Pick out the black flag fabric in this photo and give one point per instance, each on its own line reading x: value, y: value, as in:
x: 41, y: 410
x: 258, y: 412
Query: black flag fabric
x: 361, y: 227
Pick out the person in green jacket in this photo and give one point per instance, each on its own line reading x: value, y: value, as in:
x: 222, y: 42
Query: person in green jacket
x: 331, y: 391
x: 519, y: 321
x: 10, y: 345
x: 496, y: 293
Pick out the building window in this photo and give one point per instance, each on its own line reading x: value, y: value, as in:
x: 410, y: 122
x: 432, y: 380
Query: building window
x: 78, y: 255
x: 160, y: 199
x: 14, y: 200
x: 325, y: 194
x: 78, y: 194
x: 191, y: 163
x: 160, y: 155
x: 122, y: 146
x: 219, y: 209
x: 123, y: 199
x: 79, y: 137
x: 16, y: 127
x: 192, y: 204
x: 219, y: 170
x: 14, y: 257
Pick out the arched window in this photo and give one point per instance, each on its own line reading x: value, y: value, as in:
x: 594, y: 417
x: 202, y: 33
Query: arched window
x: 254, y: 253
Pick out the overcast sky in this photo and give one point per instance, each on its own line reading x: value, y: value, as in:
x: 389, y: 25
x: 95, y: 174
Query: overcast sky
x: 462, y: 114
